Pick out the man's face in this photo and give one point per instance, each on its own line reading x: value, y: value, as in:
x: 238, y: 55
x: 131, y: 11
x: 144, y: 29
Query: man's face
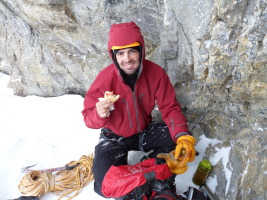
x: 128, y: 60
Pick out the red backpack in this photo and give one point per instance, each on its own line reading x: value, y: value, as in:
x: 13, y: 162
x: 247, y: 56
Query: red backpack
x: 121, y: 180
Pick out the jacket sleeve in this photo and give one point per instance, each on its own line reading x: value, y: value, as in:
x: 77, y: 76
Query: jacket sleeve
x: 169, y: 107
x: 92, y: 120
x: 90, y: 116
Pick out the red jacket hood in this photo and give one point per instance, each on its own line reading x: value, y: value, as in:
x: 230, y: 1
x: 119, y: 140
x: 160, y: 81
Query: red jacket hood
x: 125, y: 34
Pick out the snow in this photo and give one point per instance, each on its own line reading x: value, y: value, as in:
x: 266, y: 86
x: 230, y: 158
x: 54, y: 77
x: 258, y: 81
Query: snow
x: 50, y: 132
x: 220, y: 155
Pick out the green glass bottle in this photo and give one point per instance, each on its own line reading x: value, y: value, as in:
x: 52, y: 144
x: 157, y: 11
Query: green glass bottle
x: 202, y: 172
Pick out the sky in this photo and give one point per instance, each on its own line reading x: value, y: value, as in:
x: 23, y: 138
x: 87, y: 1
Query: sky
x: 50, y: 132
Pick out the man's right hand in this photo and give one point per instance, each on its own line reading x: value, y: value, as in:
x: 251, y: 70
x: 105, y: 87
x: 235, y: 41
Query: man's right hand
x: 102, y: 108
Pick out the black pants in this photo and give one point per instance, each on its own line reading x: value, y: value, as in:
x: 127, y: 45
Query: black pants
x: 113, y: 149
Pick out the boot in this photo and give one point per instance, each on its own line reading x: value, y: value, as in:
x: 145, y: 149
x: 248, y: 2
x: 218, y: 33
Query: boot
x: 139, y: 193
x: 164, y: 190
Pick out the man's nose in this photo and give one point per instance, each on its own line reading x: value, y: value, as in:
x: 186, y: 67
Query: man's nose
x: 127, y: 57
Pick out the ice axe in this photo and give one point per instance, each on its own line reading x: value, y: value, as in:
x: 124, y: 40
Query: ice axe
x: 206, y: 189
x: 66, y: 167
x: 193, y: 193
x: 27, y: 198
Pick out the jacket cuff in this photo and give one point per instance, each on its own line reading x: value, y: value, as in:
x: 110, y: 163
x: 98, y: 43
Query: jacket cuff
x: 181, y: 134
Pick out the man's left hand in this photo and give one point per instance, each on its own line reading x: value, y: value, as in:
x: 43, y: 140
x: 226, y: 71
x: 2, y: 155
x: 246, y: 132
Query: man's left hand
x: 185, y: 150
x: 183, y: 153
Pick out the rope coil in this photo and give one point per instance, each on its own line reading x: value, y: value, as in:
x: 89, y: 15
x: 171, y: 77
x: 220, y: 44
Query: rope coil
x: 63, y: 183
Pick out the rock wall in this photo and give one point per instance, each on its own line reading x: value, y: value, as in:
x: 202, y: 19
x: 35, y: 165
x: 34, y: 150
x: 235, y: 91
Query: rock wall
x: 215, y: 52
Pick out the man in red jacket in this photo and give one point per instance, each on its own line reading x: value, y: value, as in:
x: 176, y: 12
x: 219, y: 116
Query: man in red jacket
x: 140, y: 83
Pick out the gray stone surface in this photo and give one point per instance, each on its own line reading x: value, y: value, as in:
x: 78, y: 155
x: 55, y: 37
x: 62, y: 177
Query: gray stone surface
x: 215, y: 52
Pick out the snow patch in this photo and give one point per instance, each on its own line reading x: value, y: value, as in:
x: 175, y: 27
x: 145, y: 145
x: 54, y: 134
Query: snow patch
x: 223, y: 155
